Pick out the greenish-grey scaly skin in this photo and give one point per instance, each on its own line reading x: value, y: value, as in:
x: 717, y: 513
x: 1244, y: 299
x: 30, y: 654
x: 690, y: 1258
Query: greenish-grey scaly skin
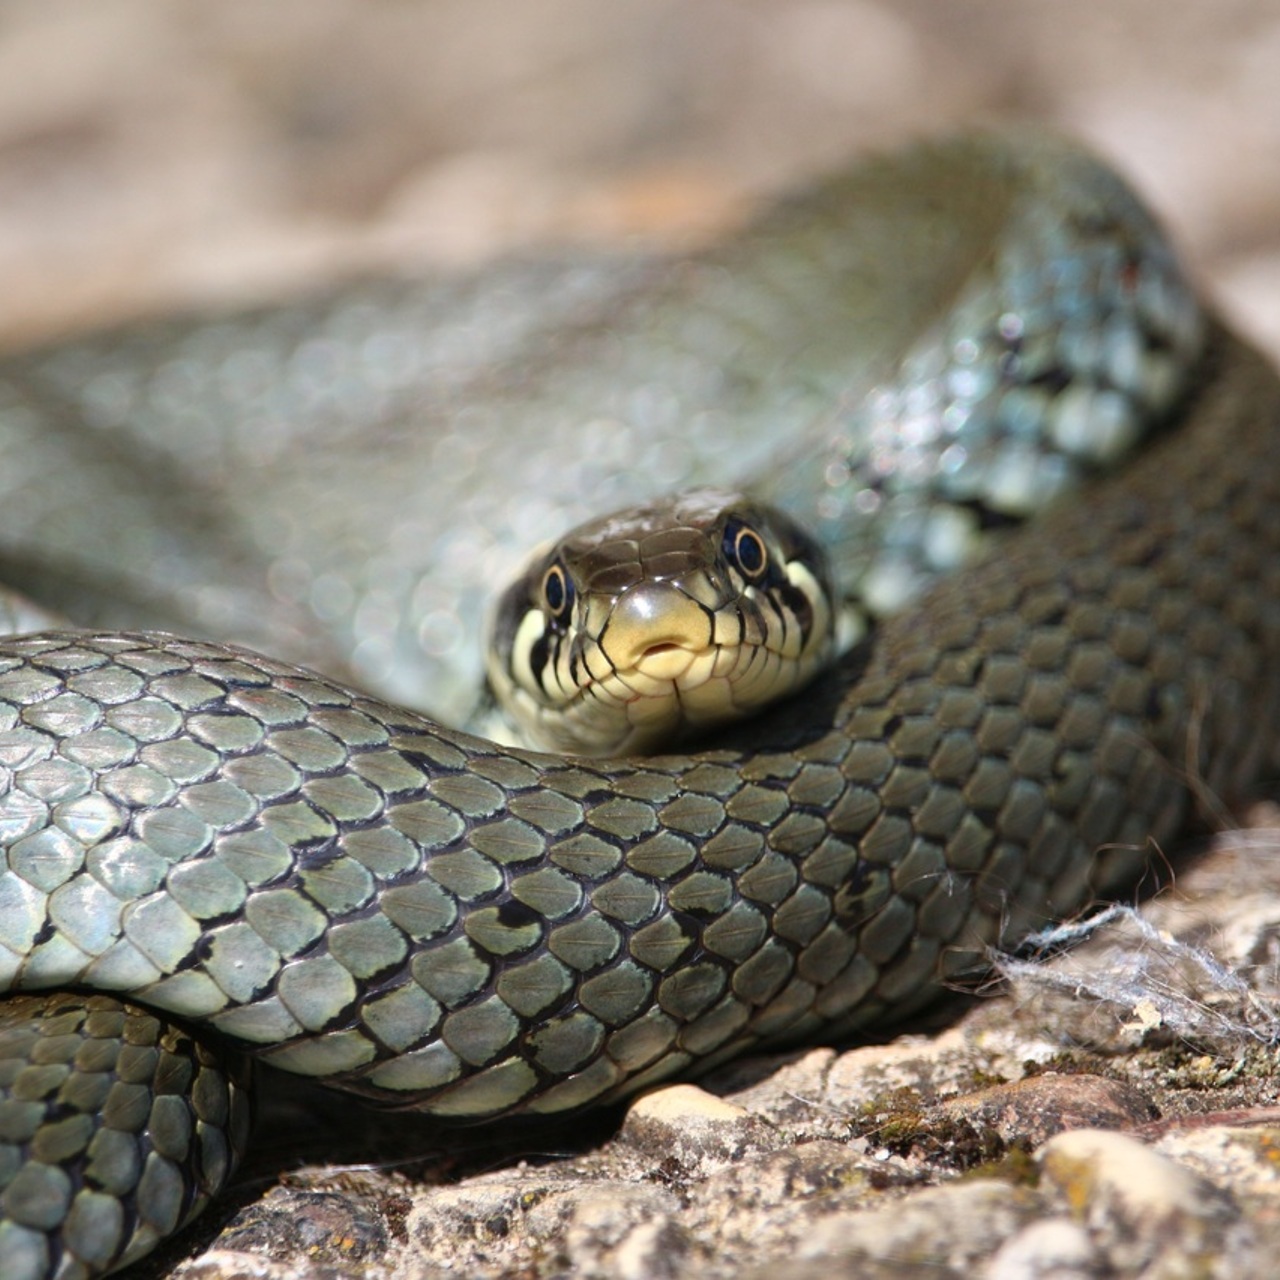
x: 119, y: 1128
x: 356, y: 893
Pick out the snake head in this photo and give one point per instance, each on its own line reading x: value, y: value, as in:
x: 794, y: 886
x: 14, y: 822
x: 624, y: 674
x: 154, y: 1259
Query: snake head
x: 647, y: 625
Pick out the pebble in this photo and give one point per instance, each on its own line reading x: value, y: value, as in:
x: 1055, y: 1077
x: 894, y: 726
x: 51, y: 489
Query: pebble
x: 1034, y: 1109
x: 1138, y: 1204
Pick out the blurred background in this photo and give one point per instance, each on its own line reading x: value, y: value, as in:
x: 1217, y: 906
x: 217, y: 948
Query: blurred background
x: 155, y: 155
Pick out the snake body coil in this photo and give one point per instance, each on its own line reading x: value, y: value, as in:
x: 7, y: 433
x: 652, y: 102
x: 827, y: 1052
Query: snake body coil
x: 352, y: 892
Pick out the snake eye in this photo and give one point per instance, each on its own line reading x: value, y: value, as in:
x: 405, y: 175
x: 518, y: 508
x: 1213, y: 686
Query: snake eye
x: 744, y: 547
x: 557, y: 592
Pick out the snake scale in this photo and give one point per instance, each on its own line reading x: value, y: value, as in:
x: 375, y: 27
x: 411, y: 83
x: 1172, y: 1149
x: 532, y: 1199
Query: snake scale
x: 351, y: 891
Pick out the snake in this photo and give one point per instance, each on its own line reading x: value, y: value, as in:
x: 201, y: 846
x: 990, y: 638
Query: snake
x: 207, y: 849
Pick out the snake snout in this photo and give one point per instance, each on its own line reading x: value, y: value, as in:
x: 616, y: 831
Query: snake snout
x: 655, y: 627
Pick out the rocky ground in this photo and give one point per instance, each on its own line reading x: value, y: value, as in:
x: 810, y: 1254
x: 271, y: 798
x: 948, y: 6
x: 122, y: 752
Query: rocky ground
x: 1111, y: 1113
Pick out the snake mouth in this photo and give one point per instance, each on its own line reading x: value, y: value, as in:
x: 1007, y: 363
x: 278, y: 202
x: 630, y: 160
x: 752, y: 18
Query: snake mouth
x: 709, y: 682
x: 668, y: 661
x: 664, y: 676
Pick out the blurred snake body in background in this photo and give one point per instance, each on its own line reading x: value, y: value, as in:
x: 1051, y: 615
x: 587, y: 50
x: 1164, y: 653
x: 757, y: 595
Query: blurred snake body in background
x: 352, y: 891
